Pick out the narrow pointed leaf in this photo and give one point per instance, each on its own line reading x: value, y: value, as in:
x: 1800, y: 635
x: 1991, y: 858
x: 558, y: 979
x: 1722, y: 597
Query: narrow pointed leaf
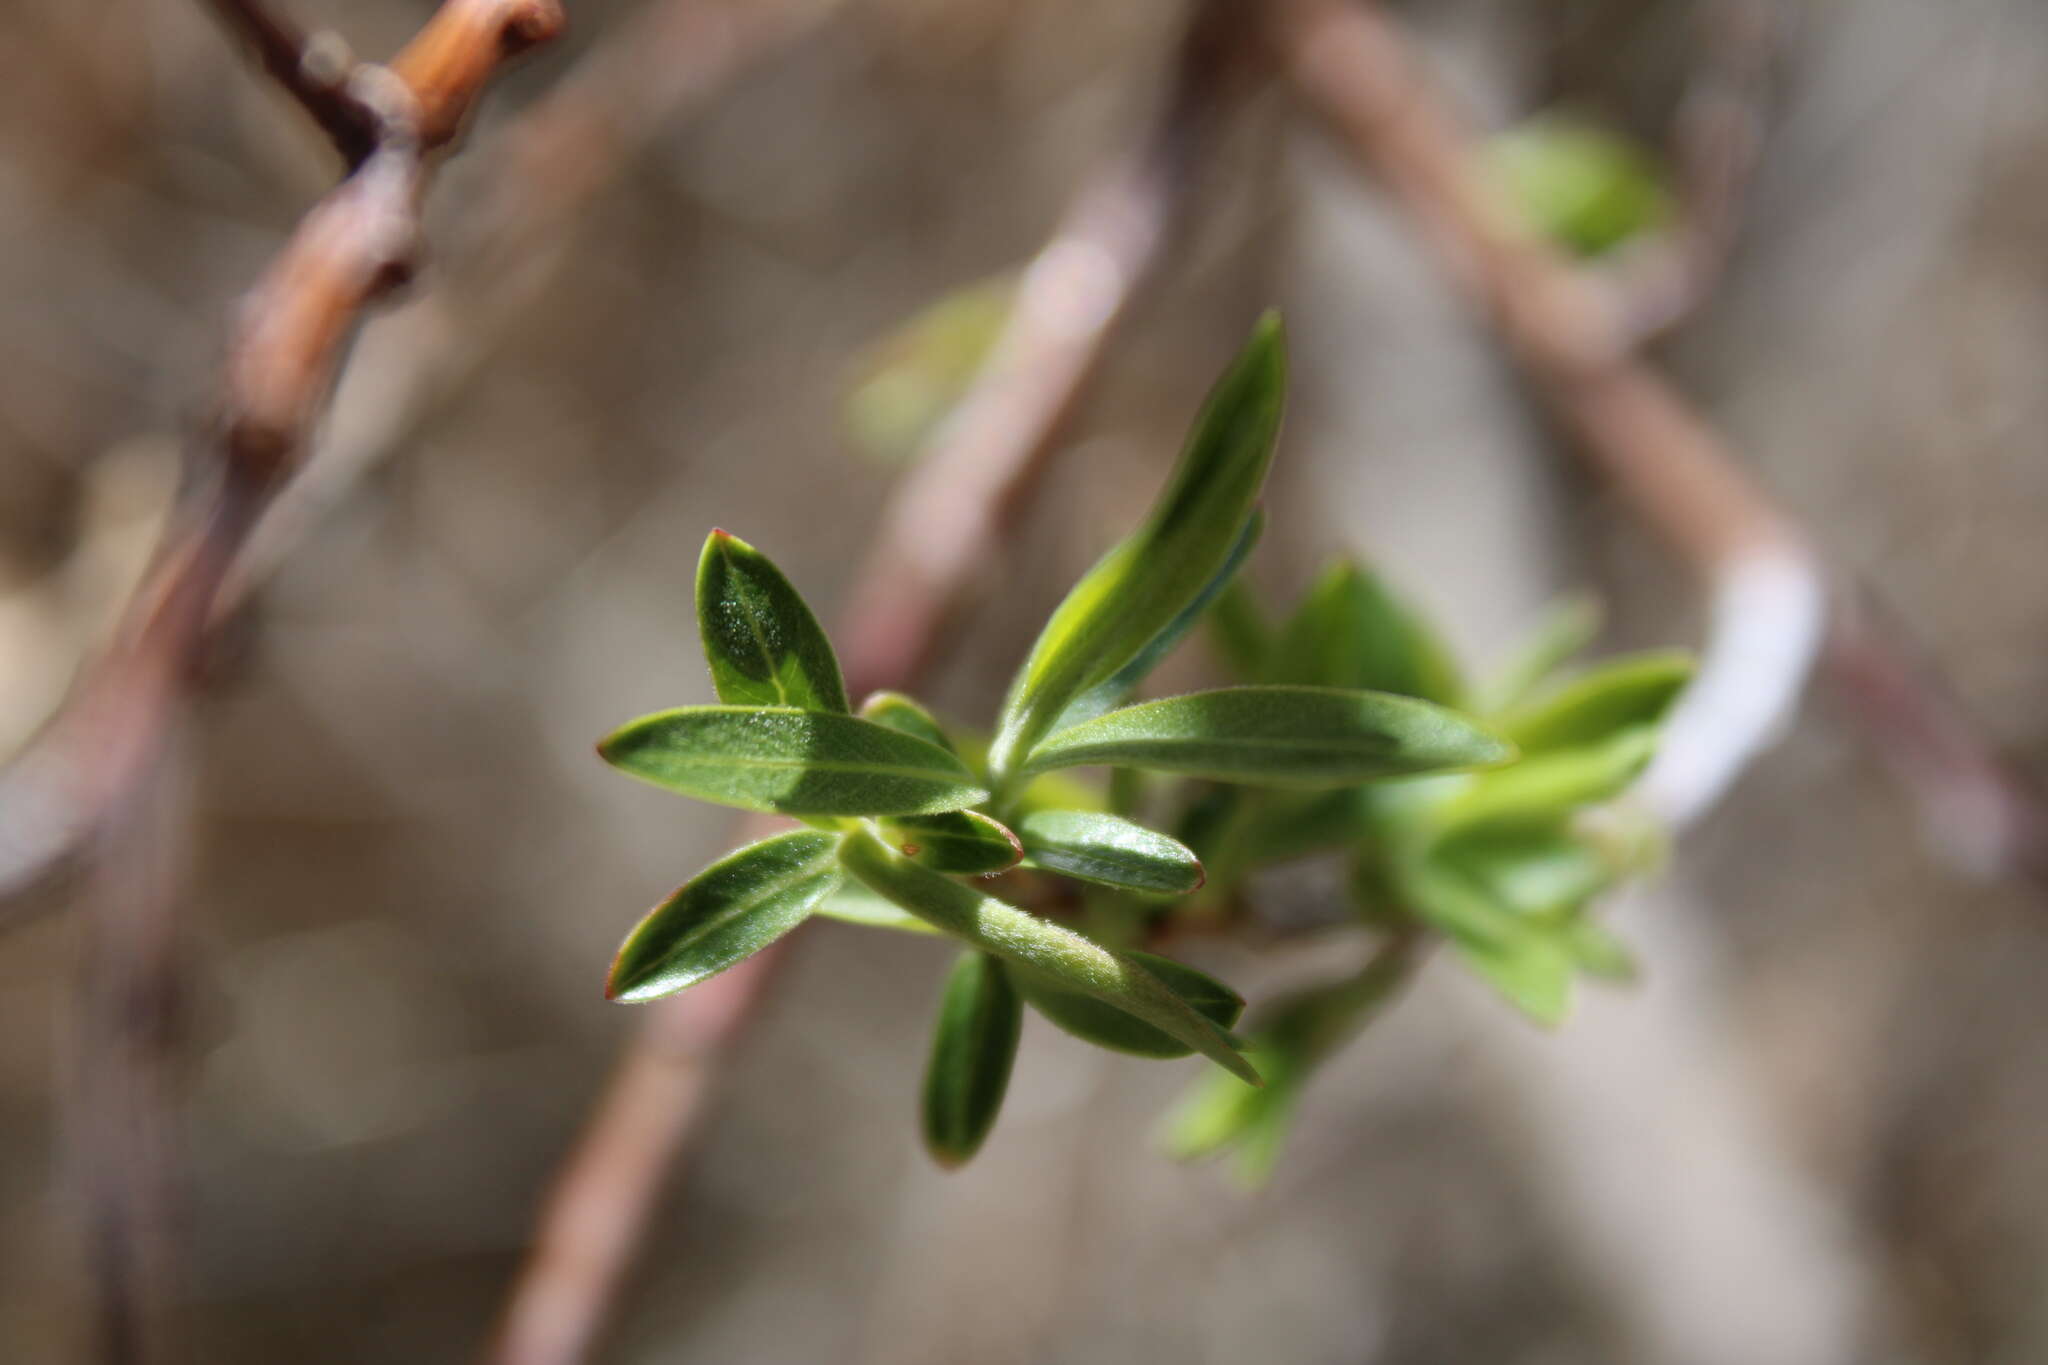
x: 899, y: 712
x: 1279, y: 734
x: 1523, y: 959
x: 729, y: 911
x: 1350, y: 631
x: 1238, y: 628
x: 1071, y: 960
x: 1598, y: 952
x: 1142, y: 585
x: 1542, y: 873
x: 1115, y: 690
x: 791, y: 762
x: 963, y: 843
x: 1110, y: 850
x: 1533, y: 974
x: 1106, y: 1026
x: 1597, y: 705
x: 973, y: 1048
x: 1545, y: 790
x: 1566, y: 627
x: 764, y: 646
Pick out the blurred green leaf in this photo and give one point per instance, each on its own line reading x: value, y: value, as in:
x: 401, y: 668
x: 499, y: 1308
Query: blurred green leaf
x: 1542, y: 873
x: 1598, y: 952
x: 729, y: 911
x: 1109, y: 850
x: 1238, y: 627
x: 1637, y: 689
x: 1350, y: 631
x: 1534, y: 973
x: 1140, y: 587
x: 1566, y: 627
x: 1578, y: 183
x: 973, y: 1048
x: 1523, y: 959
x: 791, y: 762
x: 1278, y: 734
x: 962, y: 843
x: 899, y: 712
x: 908, y: 382
x: 1545, y: 790
x: 1069, y: 959
x: 764, y: 646
x: 1106, y: 1026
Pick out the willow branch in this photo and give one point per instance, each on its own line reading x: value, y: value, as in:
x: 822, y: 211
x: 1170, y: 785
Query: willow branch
x: 1769, y: 592
x: 970, y: 490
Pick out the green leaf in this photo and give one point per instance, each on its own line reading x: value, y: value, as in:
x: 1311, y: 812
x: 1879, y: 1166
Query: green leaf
x: 1534, y: 973
x: 1110, y: 850
x: 1631, y: 691
x: 1350, y: 631
x: 1278, y: 734
x: 1597, y: 952
x: 1523, y: 959
x: 908, y: 381
x: 1117, y: 688
x: 1566, y: 627
x: 1542, y: 873
x: 1237, y: 626
x: 964, y: 843
x: 729, y: 911
x: 1106, y: 1026
x: 764, y: 646
x: 1074, y: 962
x: 1141, y: 586
x: 973, y: 1048
x: 1545, y: 790
x: 1581, y: 184
x: 899, y: 712
x: 791, y: 762
x: 852, y: 903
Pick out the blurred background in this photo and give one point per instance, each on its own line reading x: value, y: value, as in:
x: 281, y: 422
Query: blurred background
x: 1812, y: 1134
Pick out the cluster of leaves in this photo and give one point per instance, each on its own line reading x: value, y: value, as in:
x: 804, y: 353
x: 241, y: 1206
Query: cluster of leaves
x: 1343, y: 723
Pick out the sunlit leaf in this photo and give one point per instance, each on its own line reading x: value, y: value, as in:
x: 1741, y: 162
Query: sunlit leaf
x: 764, y: 646
x: 852, y: 903
x: 729, y: 911
x: 964, y: 843
x: 973, y: 1048
x: 1109, y: 850
x: 1142, y: 585
x: 899, y: 712
x: 1069, y: 959
x: 791, y: 762
x: 1545, y: 790
x: 1631, y: 691
x: 1107, y: 1026
x: 1350, y: 631
x: 1546, y: 873
x: 1278, y: 734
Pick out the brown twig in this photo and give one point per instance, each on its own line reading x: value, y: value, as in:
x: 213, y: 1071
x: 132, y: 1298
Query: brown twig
x: 351, y: 250
x: 952, y: 515
x: 1770, y: 593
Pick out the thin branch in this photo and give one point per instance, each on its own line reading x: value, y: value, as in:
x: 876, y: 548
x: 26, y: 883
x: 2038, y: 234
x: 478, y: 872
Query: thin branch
x: 1769, y: 590
x: 972, y: 487
x: 107, y: 749
x: 312, y: 71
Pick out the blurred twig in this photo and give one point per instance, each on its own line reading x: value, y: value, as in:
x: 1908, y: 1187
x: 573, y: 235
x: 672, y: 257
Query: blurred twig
x: 314, y: 71
x: 105, y: 752
x: 953, y: 513
x: 1768, y: 587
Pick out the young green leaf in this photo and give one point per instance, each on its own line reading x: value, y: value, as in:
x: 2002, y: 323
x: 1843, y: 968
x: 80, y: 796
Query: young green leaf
x: 964, y: 843
x: 1525, y: 960
x: 1544, y: 873
x: 1278, y: 734
x: 1534, y: 973
x: 851, y: 903
x: 791, y: 762
x: 729, y: 911
x: 1073, y: 961
x: 1351, y: 632
x: 973, y: 1048
x: 1631, y: 691
x: 1597, y: 952
x: 1092, y: 1021
x: 764, y: 646
x: 1566, y: 627
x: 1109, y: 850
x: 1141, y: 586
x: 1545, y: 790
x: 899, y: 712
